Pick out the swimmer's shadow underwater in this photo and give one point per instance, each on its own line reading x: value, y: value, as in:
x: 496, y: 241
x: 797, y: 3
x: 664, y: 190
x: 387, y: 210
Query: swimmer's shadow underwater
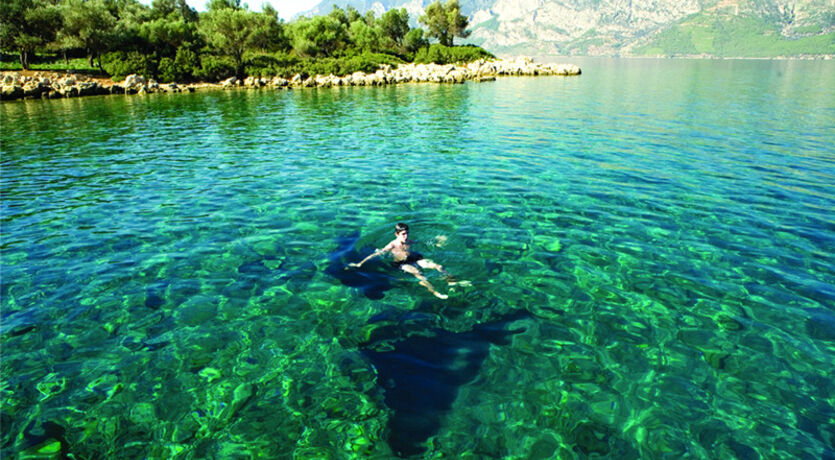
x: 373, y: 281
x: 419, y: 366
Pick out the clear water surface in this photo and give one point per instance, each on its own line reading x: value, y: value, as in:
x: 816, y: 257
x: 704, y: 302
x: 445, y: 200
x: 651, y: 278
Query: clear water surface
x: 650, y: 247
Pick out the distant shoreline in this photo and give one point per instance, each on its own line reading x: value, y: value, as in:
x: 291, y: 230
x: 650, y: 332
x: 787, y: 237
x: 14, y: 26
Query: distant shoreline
x: 819, y: 57
x: 53, y: 85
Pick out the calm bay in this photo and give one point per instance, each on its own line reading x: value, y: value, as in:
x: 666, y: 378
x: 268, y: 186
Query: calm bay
x: 649, y: 246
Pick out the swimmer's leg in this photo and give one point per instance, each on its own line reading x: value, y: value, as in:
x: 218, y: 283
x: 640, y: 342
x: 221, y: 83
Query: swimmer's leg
x: 411, y: 269
x: 429, y: 265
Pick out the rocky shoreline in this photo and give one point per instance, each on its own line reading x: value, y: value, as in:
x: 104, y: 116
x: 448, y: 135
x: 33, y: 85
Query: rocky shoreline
x: 50, y: 85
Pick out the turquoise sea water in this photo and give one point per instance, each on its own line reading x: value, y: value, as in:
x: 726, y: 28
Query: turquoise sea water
x: 650, y: 247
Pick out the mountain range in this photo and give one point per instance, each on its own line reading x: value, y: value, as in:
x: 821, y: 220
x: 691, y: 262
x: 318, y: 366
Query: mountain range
x: 704, y: 28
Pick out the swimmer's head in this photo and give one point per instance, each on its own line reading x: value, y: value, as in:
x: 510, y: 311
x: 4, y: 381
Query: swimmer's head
x: 401, y: 228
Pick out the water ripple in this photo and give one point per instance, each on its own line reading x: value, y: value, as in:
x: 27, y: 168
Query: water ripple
x: 167, y: 268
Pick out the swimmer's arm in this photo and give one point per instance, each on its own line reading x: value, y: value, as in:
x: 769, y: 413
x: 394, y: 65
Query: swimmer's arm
x: 372, y: 255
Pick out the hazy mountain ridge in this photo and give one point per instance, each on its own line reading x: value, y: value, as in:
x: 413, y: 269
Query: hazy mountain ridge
x: 734, y: 28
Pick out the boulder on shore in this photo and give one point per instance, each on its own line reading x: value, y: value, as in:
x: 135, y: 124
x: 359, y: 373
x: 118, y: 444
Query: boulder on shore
x: 230, y: 82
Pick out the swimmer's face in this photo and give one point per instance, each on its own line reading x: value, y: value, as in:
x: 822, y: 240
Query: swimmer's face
x: 402, y: 235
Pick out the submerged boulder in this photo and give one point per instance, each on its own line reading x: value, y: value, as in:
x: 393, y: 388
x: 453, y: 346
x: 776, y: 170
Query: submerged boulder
x: 90, y: 89
x: 34, y: 89
x: 10, y: 92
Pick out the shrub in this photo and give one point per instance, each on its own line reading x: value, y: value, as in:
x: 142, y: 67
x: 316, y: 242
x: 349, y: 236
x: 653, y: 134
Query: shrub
x: 367, y: 62
x: 414, y: 40
x: 187, y: 64
x: 120, y: 64
x: 269, y: 65
x: 288, y: 65
x: 214, y: 68
x: 441, y: 54
x: 179, y: 69
x: 167, y: 70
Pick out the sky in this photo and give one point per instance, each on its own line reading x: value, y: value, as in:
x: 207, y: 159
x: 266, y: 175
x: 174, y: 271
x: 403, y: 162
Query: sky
x: 286, y: 8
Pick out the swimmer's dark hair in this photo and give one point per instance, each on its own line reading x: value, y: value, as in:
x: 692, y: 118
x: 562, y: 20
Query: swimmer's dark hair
x: 400, y: 227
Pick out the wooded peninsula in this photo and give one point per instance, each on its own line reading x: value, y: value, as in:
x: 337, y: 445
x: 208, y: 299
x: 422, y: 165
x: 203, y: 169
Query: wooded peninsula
x: 171, y: 42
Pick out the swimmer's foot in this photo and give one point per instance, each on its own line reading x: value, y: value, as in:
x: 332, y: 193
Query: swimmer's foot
x: 440, y: 296
x: 462, y: 283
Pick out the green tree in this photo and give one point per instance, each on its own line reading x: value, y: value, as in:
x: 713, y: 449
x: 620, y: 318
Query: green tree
x: 176, y: 8
x: 340, y: 15
x: 319, y: 36
x: 269, y: 31
x: 214, y: 5
x: 232, y: 32
x: 165, y: 35
x: 26, y: 25
x: 352, y: 13
x: 369, y: 18
x: 394, y: 25
x: 130, y: 16
x: 365, y: 37
x: 445, y: 21
x: 414, y: 40
x: 90, y: 25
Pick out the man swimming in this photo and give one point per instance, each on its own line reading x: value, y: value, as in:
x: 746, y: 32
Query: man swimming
x: 408, y: 261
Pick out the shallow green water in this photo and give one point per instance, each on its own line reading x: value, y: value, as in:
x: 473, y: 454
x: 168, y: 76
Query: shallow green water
x: 649, y: 245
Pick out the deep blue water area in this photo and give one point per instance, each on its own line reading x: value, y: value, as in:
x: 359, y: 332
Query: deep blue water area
x: 649, y: 247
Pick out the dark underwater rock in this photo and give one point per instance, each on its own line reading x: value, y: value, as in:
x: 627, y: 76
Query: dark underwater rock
x: 821, y: 325
x: 421, y: 373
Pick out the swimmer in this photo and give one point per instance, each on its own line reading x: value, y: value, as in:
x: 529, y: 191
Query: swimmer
x: 411, y: 262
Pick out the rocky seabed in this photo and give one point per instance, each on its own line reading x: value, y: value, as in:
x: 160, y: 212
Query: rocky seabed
x: 52, y: 86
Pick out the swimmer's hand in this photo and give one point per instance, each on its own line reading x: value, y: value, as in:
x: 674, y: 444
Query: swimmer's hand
x: 376, y: 253
x: 440, y: 241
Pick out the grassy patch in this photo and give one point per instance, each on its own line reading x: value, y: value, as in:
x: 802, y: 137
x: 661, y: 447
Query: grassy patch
x: 441, y: 54
x: 702, y: 39
x: 50, y: 63
x: 733, y: 36
x: 810, y: 29
x: 581, y: 46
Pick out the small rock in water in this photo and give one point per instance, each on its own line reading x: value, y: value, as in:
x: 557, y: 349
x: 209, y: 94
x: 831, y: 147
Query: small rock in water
x: 544, y: 447
x: 197, y: 310
x: 554, y: 246
x: 728, y: 323
x: 821, y: 326
x: 40, y: 439
x: 240, y: 396
x: 716, y: 359
x: 209, y: 373
x: 143, y: 413
x: 153, y: 301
